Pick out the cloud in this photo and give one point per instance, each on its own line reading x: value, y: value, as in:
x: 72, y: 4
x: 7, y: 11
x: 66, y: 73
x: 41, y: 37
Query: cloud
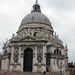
x: 61, y: 4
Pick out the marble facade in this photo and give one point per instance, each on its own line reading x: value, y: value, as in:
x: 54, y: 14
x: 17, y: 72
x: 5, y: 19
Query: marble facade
x: 37, y: 35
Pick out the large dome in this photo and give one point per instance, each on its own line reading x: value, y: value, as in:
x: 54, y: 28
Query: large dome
x: 35, y: 17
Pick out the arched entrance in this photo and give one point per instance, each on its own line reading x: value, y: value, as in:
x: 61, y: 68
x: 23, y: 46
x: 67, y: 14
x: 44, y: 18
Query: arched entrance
x: 28, y: 60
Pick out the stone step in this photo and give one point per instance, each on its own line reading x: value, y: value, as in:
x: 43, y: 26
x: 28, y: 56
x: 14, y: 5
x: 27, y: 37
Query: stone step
x: 18, y: 73
x: 26, y: 73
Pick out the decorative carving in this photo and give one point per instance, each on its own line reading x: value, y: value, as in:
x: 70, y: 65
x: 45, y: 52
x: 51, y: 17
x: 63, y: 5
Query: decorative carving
x: 34, y: 55
x: 39, y: 54
x: 48, y: 49
x: 39, y: 69
x: 59, y: 63
x: 22, y: 48
x: 22, y: 55
x: 16, y: 54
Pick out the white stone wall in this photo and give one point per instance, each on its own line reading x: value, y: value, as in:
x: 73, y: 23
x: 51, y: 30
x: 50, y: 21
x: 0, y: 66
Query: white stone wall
x: 5, y: 64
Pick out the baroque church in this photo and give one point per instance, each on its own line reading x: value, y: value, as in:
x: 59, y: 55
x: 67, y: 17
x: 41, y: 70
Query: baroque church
x: 35, y: 47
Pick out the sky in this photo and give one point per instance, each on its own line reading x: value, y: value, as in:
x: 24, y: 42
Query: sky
x: 60, y: 12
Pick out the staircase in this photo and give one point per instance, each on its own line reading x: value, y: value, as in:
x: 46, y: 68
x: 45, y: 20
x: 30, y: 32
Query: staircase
x: 26, y: 73
x: 18, y: 73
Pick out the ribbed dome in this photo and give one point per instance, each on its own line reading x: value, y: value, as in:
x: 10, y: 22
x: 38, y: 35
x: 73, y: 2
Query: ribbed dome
x: 35, y: 17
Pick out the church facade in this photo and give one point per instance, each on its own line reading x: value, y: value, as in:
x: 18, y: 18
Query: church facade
x: 35, y: 47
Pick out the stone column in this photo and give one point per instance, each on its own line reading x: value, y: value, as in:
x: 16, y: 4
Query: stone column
x: 35, y: 60
x: 12, y: 61
x: 44, y: 58
x: 19, y: 54
x: 36, y: 54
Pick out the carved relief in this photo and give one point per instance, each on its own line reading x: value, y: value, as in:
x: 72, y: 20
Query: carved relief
x: 39, y: 69
x: 39, y: 54
x: 22, y: 34
x: 16, y: 54
x: 59, y: 63
x: 22, y: 48
x: 48, y: 48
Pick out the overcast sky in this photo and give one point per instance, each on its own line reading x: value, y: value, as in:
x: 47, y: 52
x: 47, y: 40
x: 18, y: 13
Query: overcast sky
x: 60, y: 12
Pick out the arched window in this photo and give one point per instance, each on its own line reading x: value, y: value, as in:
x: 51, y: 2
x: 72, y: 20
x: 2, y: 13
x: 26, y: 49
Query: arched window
x: 57, y: 52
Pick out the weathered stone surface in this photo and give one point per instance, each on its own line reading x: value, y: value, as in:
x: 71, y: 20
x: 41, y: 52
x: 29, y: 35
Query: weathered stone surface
x: 46, y: 50
x: 27, y: 73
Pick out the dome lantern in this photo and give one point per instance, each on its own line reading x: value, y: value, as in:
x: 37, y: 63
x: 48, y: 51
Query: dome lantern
x: 36, y: 7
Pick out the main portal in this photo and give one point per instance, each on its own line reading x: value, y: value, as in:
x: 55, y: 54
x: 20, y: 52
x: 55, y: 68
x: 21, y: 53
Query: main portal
x: 28, y: 60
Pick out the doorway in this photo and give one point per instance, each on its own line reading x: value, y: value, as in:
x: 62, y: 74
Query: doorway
x: 28, y: 60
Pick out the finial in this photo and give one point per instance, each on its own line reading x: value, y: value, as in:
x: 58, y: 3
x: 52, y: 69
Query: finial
x: 66, y: 46
x: 36, y: 1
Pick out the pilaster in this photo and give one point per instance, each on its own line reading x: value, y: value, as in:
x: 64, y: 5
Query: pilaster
x: 35, y: 60
x: 12, y: 61
x: 44, y: 58
x: 19, y: 54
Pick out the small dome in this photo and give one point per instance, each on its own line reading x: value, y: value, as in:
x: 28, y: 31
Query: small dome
x: 35, y: 17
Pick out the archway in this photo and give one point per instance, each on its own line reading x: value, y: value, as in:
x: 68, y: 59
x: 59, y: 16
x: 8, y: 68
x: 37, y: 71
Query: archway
x: 28, y: 60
